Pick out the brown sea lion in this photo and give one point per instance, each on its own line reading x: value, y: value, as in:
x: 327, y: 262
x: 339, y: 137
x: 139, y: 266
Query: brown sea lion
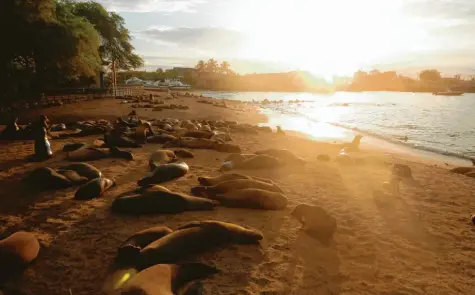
x: 84, y: 169
x: 73, y: 176
x: 353, y: 146
x: 70, y: 147
x: 167, y: 279
x: 257, y: 162
x: 210, y: 181
x: 16, y: 252
x: 161, y: 138
x: 282, y: 154
x: 86, y: 154
x: 142, y: 132
x: 198, y: 134
x: 114, y: 152
x: 252, y: 198
x: 45, y: 178
x: 141, y: 240
x: 402, y: 171
x: 182, y: 153
x: 94, y: 188
x: 160, y: 202
x: 161, y: 157
x: 226, y: 148
x: 315, y: 221
x: 232, y: 185
x: 164, y: 173
x: 463, y: 170
x: 194, y: 238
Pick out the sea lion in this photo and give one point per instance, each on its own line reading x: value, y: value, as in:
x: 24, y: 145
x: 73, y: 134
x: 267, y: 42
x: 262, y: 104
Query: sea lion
x: 86, y: 154
x: 45, y: 178
x: 94, y: 189
x: 141, y: 240
x: 463, y: 170
x: 160, y: 202
x: 73, y: 176
x: 226, y: 148
x: 198, y: 134
x: 16, y: 252
x: 70, y: 147
x: 257, y: 162
x: 233, y: 185
x: 282, y: 154
x: 470, y: 174
x: 167, y: 279
x: 194, y: 238
x: 182, y: 153
x: 161, y: 138
x: 473, y: 218
x: 161, y: 157
x: 84, y: 169
x: 315, y: 221
x: 114, y: 152
x: 118, y: 140
x: 164, y: 173
x: 252, y: 198
x: 210, y: 181
x: 354, y: 145
x: 143, y: 131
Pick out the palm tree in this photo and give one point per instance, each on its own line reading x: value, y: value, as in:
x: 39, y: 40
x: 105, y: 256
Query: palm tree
x: 212, y: 65
x: 200, y: 66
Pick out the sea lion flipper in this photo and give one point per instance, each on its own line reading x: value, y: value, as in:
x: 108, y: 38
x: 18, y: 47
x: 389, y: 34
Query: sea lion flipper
x: 189, y: 272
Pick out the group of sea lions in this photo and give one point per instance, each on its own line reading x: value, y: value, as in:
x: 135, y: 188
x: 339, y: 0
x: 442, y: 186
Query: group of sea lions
x: 152, y: 261
x: 93, y: 184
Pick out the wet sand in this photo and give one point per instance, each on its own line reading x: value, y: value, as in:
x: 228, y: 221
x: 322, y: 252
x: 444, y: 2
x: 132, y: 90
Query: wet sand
x: 418, y: 243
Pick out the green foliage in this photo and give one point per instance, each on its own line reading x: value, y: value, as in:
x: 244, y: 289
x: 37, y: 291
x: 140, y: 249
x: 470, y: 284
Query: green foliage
x: 58, y: 43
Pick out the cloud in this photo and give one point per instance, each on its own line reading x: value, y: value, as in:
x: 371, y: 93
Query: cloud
x: 442, y: 9
x: 167, y: 6
x: 206, y: 41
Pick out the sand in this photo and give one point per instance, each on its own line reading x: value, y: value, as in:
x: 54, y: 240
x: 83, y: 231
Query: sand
x: 419, y: 243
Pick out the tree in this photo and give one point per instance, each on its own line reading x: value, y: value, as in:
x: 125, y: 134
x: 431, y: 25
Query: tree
x: 159, y: 71
x: 200, y: 66
x: 225, y: 68
x: 115, y: 38
x: 211, y: 65
x: 430, y: 75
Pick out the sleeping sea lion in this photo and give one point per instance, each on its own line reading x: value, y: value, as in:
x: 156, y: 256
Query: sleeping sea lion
x: 182, y: 153
x: 198, y: 134
x: 86, y: 154
x: 252, y: 198
x: 282, y: 154
x: 315, y: 221
x: 141, y: 240
x: 463, y: 170
x: 84, y: 169
x: 45, y: 178
x: 70, y: 147
x: 160, y: 202
x: 114, y: 152
x: 73, y: 176
x: 194, y: 238
x: 210, y: 181
x: 164, y: 173
x: 257, y: 162
x: 161, y: 157
x: 94, y: 189
x: 161, y: 138
x: 233, y: 185
x: 166, y: 279
x: 118, y: 140
x: 16, y: 252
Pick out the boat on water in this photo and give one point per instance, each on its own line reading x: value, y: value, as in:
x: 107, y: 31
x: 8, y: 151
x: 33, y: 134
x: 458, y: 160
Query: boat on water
x: 449, y: 93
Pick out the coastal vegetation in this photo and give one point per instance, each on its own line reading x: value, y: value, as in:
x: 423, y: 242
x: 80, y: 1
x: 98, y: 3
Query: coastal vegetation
x: 52, y: 44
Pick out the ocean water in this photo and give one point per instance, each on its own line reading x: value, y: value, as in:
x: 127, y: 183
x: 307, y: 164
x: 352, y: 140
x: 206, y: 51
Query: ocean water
x: 440, y: 124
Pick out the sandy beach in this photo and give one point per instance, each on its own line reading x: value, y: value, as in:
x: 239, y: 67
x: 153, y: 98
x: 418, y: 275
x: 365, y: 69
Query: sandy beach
x: 421, y: 242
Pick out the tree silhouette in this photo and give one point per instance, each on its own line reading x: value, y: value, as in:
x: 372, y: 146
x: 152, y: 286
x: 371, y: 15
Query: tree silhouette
x: 212, y: 65
x: 200, y: 66
x: 430, y: 75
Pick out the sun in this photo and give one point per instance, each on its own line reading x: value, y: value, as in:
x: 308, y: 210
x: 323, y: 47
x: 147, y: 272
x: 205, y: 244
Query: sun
x: 326, y: 37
